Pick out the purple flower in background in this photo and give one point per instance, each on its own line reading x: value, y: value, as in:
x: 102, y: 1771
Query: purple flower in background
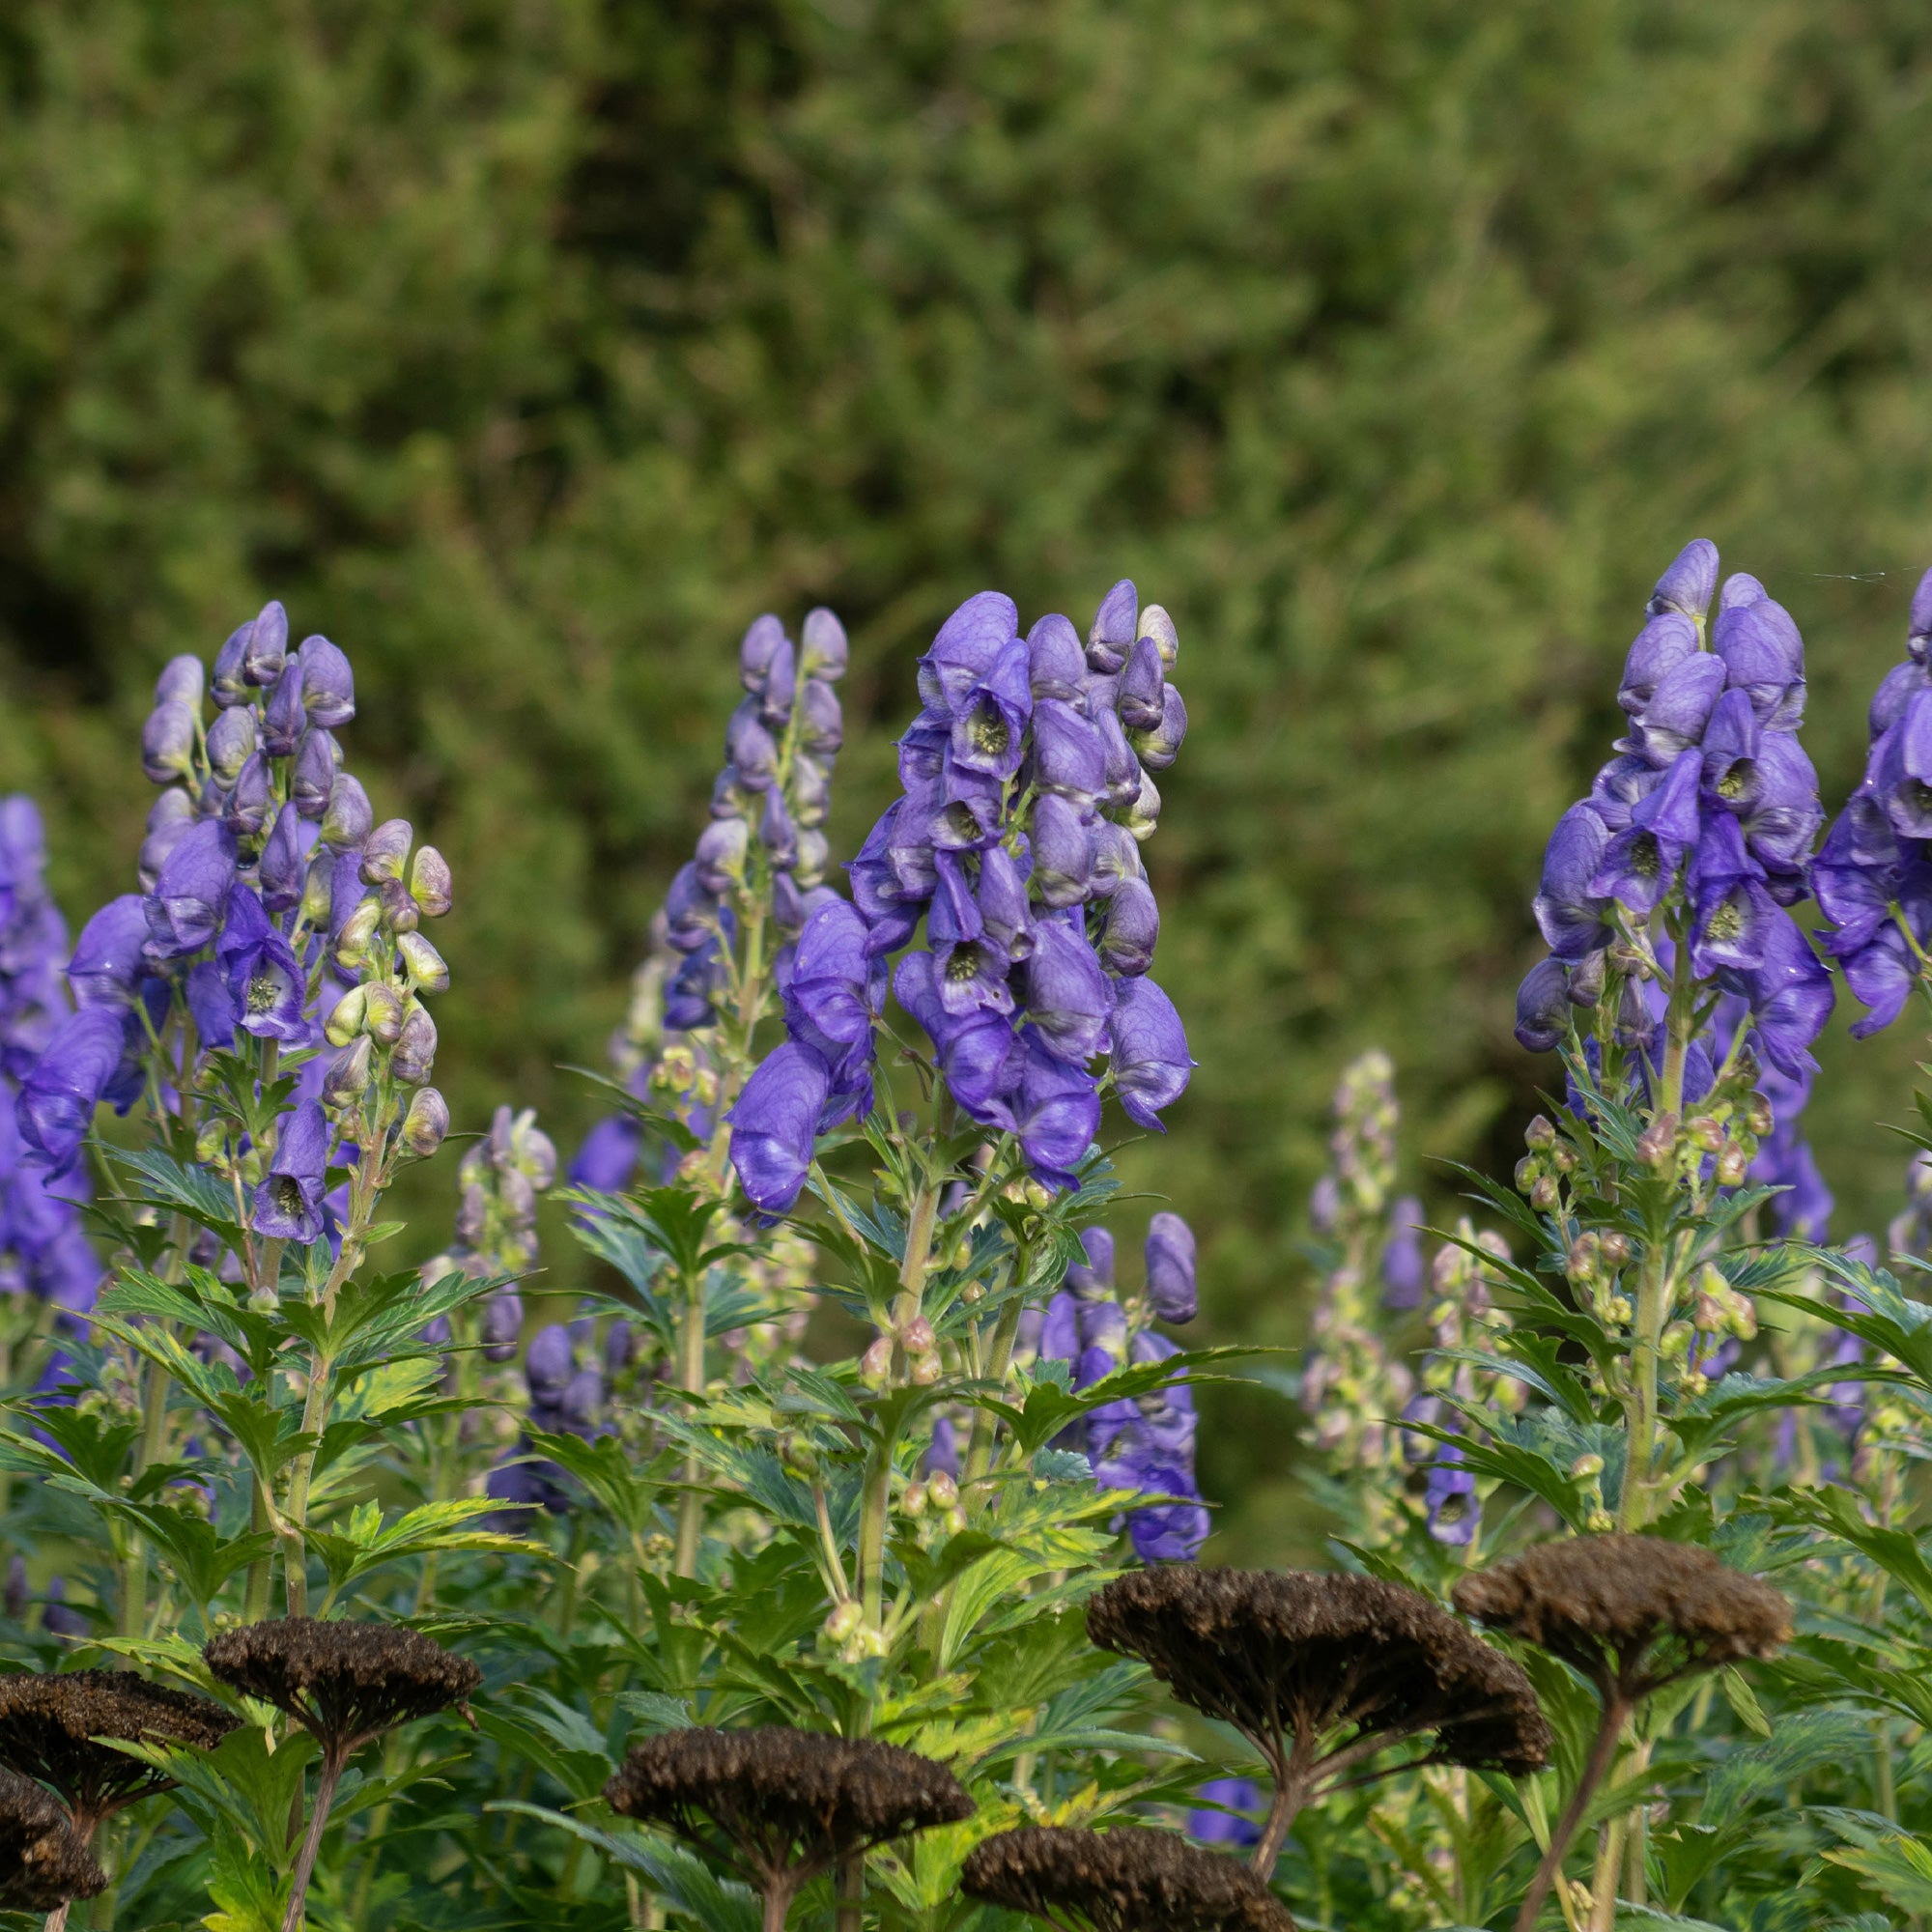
x: 1405, y: 1273
x: 1455, y: 1512
x: 57, y: 1099
x: 287, y: 1204
x: 609, y: 1156
x: 1169, y: 1269
x: 1229, y: 1822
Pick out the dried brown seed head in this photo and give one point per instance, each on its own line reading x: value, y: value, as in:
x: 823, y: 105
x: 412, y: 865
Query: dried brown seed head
x: 42, y: 1860
x: 50, y: 1720
x: 345, y: 1682
x: 1323, y: 1656
x: 1125, y: 1880
x: 783, y: 1801
x: 1630, y: 1613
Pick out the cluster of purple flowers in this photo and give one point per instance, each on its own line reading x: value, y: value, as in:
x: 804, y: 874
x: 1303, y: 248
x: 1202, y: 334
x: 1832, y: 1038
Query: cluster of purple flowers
x: 1873, y: 877
x: 1709, y: 812
x: 566, y: 1373
x: 1028, y: 788
x: 273, y: 909
x: 43, y: 1249
x: 763, y: 856
x: 1147, y: 1443
x: 500, y: 1178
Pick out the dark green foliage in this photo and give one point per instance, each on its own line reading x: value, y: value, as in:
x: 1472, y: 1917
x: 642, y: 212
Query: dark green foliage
x: 528, y: 350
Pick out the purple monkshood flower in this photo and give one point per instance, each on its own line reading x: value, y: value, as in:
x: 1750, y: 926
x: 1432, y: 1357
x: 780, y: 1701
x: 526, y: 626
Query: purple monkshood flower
x: 774, y: 1125
x: 830, y: 999
x: 1690, y: 583
x: 1734, y: 914
x: 1169, y: 1269
x: 1639, y: 864
x: 1168, y: 1532
x: 1543, y: 1007
x: 289, y: 1202
x: 1449, y: 1491
x: 1057, y: 1112
x: 1230, y: 1821
x: 1571, y: 918
x: 1790, y: 998
x: 185, y: 908
x: 952, y: 675
x: 107, y: 962
x: 1149, y: 1058
x: 1095, y: 1275
x: 265, y: 980
x: 57, y: 1099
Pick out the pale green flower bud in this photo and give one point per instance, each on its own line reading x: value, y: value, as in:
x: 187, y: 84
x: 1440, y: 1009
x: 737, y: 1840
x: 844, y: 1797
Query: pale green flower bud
x: 345, y: 1022
x: 385, y: 851
x: 317, y: 889
x: 426, y: 1122
x: 423, y: 963
x: 358, y: 931
x: 348, y: 1079
x: 382, y: 1014
x: 430, y: 882
x: 913, y: 1502
x: 842, y: 1625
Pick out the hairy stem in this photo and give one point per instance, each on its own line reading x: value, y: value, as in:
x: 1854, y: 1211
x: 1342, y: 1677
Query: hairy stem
x: 1602, y: 1754
x: 691, y: 1378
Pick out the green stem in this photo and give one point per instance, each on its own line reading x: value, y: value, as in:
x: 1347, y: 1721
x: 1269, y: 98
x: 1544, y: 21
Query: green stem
x: 1603, y: 1754
x: 691, y: 1378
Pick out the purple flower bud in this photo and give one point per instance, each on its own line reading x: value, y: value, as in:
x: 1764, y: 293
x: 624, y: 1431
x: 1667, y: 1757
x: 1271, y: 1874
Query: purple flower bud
x: 1055, y: 663
x: 328, y: 685
x: 314, y: 776
x: 503, y: 1329
x: 56, y: 1103
x: 777, y: 833
x: 210, y: 1006
x: 1667, y: 641
x: 755, y: 651
x: 167, y: 742
x: 1900, y: 770
x: 189, y: 898
x: 385, y: 851
x: 431, y: 886
x: 283, y: 862
x: 1115, y: 858
x: 723, y: 847
x: 426, y: 1124
x: 1112, y: 634
x: 180, y: 682
x: 1158, y: 748
x: 1143, y: 688
x: 1095, y: 1276
x: 107, y: 960
x: 413, y: 1058
x: 252, y: 800
x: 1216, y: 1826
x: 749, y: 746
x: 1543, y: 1007
x: 1070, y: 755
x: 1687, y: 585
x: 268, y: 645
x: 1131, y: 929
x: 57, y: 1619
x: 1405, y: 1274
x: 780, y: 686
x: 1122, y: 769
x: 348, y: 1072
x: 1056, y: 1113
x: 1168, y: 1532
x: 690, y: 913
x: 821, y: 727
x: 774, y: 1125
x: 1764, y: 655
x: 283, y: 718
x: 824, y: 649
x: 1740, y: 590
x: 1063, y: 851
x: 287, y: 1204
x: 1901, y: 683
x: 1001, y: 902
x: 347, y: 822
x: 1150, y: 1059
x: 230, y: 686
x: 810, y: 793
x: 549, y: 1365
x: 1103, y: 1325
x: 1169, y: 1269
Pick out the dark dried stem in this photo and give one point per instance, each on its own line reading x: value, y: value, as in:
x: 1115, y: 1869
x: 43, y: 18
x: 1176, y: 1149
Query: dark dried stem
x: 332, y: 1762
x: 1293, y: 1783
x: 1617, y: 1709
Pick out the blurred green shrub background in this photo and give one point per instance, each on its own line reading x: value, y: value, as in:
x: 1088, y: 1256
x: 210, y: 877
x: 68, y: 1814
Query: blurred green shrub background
x: 529, y: 347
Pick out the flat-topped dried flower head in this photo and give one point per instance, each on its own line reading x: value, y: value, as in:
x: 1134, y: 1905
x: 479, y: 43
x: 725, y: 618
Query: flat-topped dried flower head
x: 1306, y: 1655
x: 1125, y: 1880
x: 784, y: 1801
x: 49, y: 1722
x: 1630, y: 1613
x: 345, y: 1682
x: 44, y: 1862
